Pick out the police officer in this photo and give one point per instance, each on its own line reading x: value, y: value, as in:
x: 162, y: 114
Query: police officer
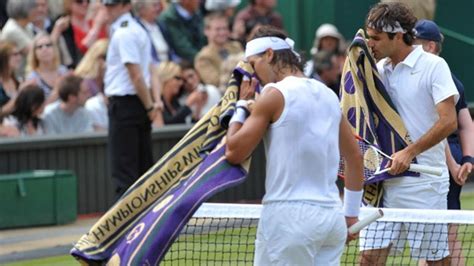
x: 131, y: 107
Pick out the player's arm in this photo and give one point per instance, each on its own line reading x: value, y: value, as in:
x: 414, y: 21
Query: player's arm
x: 466, y: 138
x: 354, y: 174
x: 444, y: 126
x: 242, y: 138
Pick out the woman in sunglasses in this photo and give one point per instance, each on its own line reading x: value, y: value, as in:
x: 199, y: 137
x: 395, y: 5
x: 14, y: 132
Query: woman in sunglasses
x: 169, y: 73
x: 43, y: 65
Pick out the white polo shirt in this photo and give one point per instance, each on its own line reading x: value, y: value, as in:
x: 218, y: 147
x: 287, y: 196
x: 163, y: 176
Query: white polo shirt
x: 129, y: 44
x: 416, y: 86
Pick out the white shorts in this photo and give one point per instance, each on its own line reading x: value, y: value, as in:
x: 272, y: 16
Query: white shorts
x: 300, y: 233
x: 426, y: 241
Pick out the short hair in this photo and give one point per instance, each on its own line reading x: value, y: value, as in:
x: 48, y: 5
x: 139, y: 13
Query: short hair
x: 69, y: 85
x: 282, y: 58
x: 214, y: 15
x: 388, y: 14
x: 18, y: 9
x: 137, y: 5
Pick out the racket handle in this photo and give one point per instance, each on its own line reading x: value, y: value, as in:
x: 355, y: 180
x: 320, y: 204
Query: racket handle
x: 366, y: 221
x: 426, y: 169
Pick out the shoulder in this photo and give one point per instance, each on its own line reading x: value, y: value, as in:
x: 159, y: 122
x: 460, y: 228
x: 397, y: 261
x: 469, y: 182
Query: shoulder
x: 234, y: 47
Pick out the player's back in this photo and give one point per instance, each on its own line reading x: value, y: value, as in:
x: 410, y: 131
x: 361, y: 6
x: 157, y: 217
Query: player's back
x: 302, y: 146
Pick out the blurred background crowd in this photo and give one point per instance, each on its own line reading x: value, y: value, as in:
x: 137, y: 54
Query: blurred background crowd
x: 53, y: 56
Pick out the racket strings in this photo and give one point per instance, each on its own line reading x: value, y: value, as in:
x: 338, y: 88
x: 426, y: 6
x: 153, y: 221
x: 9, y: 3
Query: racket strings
x: 372, y: 161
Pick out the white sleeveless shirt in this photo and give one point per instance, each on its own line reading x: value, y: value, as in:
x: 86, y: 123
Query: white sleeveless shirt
x: 302, y: 146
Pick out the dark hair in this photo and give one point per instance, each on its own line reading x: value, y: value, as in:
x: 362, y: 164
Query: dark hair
x: 29, y: 99
x: 69, y: 85
x: 185, y: 65
x: 281, y: 58
x: 387, y: 15
x: 323, y: 60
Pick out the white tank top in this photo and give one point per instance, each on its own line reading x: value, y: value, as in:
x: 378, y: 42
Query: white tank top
x: 302, y: 146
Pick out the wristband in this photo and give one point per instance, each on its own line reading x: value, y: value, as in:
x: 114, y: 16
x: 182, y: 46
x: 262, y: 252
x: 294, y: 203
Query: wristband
x: 241, y: 103
x: 467, y: 159
x: 352, y: 201
x: 239, y: 116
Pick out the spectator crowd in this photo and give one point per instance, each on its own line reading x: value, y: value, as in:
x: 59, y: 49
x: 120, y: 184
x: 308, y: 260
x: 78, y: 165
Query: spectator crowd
x: 53, y: 59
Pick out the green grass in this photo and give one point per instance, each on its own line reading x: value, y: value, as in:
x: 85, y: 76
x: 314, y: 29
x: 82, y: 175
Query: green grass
x: 64, y: 260
x: 231, y: 251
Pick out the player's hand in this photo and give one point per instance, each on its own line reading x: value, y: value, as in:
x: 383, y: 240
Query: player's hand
x: 247, y: 88
x: 463, y: 173
x: 349, y: 222
x: 401, y: 161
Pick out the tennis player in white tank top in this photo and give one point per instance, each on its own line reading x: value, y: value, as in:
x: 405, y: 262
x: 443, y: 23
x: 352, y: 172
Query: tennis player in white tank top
x: 302, y: 222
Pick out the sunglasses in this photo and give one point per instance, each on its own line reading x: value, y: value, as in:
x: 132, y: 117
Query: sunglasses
x: 46, y: 45
x: 82, y: 1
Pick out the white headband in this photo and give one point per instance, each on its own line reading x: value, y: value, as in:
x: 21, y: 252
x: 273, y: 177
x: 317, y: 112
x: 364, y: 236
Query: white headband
x: 260, y: 45
x: 390, y: 28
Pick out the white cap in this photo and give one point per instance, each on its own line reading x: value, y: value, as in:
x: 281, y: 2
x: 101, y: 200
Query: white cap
x: 214, y: 5
x: 327, y: 30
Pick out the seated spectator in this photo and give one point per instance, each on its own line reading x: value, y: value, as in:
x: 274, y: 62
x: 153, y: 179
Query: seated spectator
x: 69, y: 116
x: 92, y: 66
x: 184, y: 24
x: 169, y: 73
x: 87, y: 29
x: 327, y: 38
x: 43, y: 65
x: 92, y: 69
x: 29, y: 106
x: 41, y: 21
x: 79, y: 30
x: 209, y: 60
x: 326, y: 70
x: 257, y: 12
x: 20, y: 13
x: 147, y: 12
x: 10, y: 61
x: 210, y: 94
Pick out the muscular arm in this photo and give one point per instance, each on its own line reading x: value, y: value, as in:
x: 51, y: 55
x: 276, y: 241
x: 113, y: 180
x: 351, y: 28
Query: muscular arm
x: 466, y: 132
x: 349, y: 149
x: 243, y: 138
x: 445, y: 125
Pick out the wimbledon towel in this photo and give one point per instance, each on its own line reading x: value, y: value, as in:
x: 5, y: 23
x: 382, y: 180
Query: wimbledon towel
x: 141, y: 226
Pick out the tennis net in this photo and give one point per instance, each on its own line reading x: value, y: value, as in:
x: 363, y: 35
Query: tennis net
x: 224, y: 234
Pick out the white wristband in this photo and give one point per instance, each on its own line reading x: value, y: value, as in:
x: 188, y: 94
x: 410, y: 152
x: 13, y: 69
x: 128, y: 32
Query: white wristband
x: 352, y: 201
x: 239, y: 116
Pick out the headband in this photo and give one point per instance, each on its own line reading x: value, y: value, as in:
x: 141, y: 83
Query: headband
x: 260, y: 45
x: 388, y: 28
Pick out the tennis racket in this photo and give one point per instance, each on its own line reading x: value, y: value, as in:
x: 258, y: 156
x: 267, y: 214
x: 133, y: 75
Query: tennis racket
x: 366, y: 221
x: 374, y: 158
